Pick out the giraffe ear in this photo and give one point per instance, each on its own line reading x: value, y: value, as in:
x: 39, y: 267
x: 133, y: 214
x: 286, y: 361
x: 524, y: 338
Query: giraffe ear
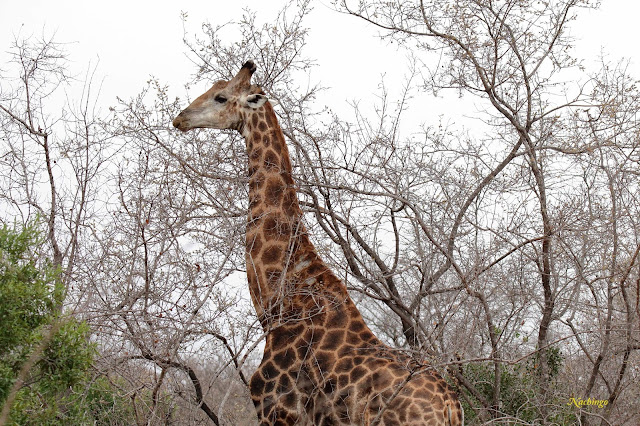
x: 256, y: 101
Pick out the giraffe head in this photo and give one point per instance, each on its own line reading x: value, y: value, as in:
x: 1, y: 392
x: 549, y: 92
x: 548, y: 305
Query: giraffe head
x: 224, y: 106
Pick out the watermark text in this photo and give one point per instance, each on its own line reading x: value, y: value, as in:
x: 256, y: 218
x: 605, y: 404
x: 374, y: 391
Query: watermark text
x: 579, y: 402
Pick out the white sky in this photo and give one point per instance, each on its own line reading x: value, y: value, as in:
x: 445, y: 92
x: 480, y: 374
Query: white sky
x: 136, y: 39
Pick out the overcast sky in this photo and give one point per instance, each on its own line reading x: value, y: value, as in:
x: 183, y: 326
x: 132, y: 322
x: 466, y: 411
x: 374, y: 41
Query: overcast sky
x: 136, y: 39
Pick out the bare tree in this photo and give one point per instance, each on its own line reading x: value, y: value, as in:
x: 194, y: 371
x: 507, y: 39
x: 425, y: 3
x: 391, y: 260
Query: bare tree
x: 49, y: 162
x: 511, y: 262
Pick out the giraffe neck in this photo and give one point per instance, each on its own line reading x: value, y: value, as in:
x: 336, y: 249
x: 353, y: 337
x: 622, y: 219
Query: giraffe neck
x: 278, y: 251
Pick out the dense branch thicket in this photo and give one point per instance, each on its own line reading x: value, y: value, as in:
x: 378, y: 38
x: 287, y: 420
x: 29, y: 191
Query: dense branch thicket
x: 506, y: 254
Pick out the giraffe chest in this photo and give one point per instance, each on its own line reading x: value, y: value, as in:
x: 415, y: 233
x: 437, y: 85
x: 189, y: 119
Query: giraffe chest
x: 314, y: 368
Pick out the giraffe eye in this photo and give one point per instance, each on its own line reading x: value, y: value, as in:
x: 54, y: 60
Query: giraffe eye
x: 220, y: 99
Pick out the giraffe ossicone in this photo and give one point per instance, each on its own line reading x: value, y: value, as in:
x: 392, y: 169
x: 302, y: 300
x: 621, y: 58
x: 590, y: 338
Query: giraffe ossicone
x: 322, y: 365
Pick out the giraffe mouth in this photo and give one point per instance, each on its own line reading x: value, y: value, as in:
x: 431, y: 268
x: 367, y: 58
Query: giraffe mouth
x: 181, y: 123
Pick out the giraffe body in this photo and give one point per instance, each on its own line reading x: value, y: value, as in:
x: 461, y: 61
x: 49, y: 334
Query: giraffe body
x: 322, y: 365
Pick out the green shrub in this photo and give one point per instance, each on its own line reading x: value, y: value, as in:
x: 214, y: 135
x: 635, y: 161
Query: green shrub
x: 58, y: 389
x: 520, y: 391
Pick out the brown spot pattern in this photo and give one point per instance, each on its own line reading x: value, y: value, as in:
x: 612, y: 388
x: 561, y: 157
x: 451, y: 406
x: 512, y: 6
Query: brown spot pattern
x: 274, y: 190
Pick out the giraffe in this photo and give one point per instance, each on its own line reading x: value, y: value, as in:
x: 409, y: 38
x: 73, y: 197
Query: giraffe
x: 322, y: 365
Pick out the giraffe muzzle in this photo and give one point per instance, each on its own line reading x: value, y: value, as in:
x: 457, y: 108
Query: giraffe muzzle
x: 181, y: 122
